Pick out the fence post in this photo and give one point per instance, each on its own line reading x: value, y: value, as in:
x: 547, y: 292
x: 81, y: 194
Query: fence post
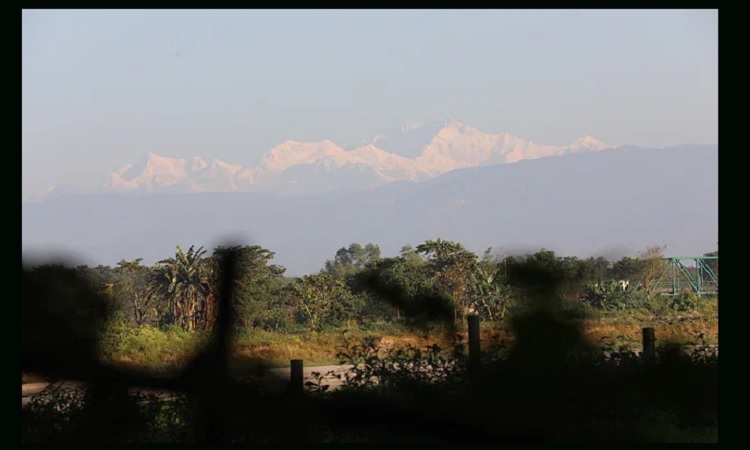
x: 474, y: 343
x: 296, y: 384
x: 649, y: 345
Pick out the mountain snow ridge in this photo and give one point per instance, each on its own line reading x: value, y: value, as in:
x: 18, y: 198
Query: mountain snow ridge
x: 414, y: 152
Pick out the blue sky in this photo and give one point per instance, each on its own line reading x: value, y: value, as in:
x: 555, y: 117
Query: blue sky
x: 101, y: 88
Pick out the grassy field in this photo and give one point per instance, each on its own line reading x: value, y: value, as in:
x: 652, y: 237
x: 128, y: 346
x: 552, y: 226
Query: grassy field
x: 169, y: 349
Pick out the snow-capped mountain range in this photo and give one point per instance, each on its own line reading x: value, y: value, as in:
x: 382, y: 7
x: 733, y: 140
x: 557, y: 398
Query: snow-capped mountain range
x: 617, y: 201
x: 412, y: 153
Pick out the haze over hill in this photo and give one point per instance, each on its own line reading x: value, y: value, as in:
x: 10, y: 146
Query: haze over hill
x: 612, y: 202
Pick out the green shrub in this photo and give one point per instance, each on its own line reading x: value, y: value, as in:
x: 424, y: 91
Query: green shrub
x: 273, y: 320
x: 684, y: 302
x: 156, y: 347
x: 611, y: 296
x: 374, y: 367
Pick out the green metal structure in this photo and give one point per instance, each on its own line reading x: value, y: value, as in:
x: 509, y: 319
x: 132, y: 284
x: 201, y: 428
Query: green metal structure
x: 676, y: 278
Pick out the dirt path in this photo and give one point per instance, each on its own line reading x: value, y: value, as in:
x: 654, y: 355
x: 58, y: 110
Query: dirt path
x: 276, y: 378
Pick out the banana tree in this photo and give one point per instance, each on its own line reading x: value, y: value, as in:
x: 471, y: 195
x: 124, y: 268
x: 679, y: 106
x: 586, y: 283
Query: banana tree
x: 187, y: 282
x: 486, y: 292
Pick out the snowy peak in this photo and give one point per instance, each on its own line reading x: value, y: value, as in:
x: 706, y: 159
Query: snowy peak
x: 389, y: 166
x: 588, y: 143
x: 292, y: 153
x: 155, y: 171
x: 409, y: 140
x: 411, y: 152
x: 455, y: 128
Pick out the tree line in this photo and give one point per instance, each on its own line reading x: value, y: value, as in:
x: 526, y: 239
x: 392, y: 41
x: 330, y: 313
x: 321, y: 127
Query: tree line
x: 357, y: 286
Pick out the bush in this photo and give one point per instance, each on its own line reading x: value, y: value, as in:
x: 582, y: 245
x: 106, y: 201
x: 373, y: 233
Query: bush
x: 155, y: 347
x: 273, y: 320
x: 373, y: 366
x: 684, y: 302
x: 611, y: 296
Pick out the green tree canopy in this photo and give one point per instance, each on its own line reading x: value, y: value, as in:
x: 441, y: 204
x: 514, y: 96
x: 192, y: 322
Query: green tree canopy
x: 349, y: 260
x: 323, y: 299
x: 258, y: 282
x: 453, y: 267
